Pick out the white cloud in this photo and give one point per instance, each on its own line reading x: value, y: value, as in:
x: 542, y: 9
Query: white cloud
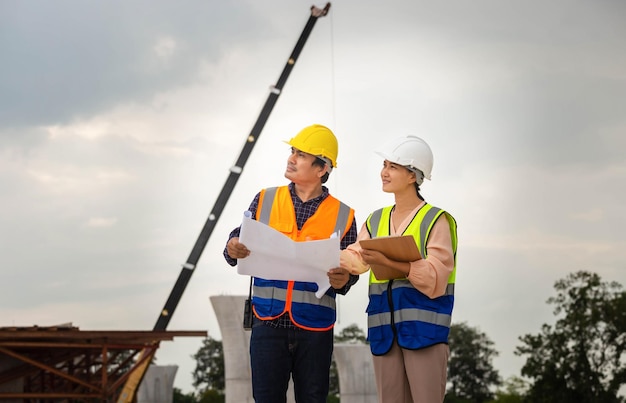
x: 101, y: 222
x: 69, y: 180
x: 165, y: 48
x: 592, y: 214
x: 91, y: 130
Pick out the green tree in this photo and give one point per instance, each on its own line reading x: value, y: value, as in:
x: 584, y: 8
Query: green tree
x: 351, y: 334
x: 470, y: 369
x: 581, y: 358
x: 513, y: 390
x: 209, y: 372
x: 180, y: 397
x: 212, y: 396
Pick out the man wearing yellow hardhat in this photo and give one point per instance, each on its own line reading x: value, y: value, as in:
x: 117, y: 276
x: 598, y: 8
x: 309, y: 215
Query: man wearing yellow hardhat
x: 409, y: 313
x: 292, y: 330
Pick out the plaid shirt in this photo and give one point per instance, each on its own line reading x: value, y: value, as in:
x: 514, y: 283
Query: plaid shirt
x: 303, y: 210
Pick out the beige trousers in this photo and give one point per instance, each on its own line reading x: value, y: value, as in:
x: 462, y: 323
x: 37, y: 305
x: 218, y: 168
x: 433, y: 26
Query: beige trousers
x: 412, y: 376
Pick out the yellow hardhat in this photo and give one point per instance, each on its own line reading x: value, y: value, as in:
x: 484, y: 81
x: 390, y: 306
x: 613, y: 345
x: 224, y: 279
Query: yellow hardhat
x: 317, y: 140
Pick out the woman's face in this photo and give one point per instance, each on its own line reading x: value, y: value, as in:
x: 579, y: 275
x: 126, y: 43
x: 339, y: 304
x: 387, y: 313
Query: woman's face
x: 395, y: 177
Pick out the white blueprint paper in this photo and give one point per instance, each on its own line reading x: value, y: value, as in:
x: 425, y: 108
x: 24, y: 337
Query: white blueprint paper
x: 274, y: 256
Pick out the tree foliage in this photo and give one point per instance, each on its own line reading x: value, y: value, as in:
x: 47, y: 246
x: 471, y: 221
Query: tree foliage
x: 471, y: 374
x: 211, y: 396
x: 512, y: 390
x: 180, y: 397
x: 581, y: 358
x: 351, y: 334
x: 209, y: 372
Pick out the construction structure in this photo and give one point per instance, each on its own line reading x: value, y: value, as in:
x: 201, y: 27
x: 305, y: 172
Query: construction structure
x: 63, y: 363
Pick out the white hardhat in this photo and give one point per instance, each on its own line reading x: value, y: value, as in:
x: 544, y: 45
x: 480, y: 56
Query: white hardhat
x: 411, y: 152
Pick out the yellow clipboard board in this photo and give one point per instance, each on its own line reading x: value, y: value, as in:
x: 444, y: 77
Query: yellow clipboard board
x: 398, y: 248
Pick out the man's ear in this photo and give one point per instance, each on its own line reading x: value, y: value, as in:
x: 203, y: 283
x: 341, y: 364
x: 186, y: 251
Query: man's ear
x: 323, y: 171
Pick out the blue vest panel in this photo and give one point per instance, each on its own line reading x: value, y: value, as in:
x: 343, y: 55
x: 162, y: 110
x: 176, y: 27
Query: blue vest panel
x: 396, y: 309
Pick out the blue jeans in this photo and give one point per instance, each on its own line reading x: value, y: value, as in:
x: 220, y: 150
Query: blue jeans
x: 276, y: 353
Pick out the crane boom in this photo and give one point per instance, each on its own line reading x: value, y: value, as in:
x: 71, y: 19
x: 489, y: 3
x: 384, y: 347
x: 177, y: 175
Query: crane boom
x: 132, y: 384
x: 233, y: 176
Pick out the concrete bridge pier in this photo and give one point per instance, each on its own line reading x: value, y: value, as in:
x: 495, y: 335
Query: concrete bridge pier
x: 356, y: 373
x: 157, y: 385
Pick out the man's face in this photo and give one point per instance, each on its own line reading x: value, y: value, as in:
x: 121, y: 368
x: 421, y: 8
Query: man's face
x: 300, y: 168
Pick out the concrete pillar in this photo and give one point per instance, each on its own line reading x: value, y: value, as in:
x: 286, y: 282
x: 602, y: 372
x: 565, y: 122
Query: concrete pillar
x: 236, y: 344
x: 356, y: 373
x: 157, y: 385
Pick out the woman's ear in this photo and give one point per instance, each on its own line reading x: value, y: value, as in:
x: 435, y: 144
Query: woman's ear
x: 412, y: 176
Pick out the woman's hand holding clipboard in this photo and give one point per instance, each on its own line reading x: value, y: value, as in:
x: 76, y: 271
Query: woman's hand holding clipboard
x: 398, y: 248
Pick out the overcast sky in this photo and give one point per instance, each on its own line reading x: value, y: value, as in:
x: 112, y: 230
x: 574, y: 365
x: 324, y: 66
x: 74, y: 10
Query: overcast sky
x: 120, y: 120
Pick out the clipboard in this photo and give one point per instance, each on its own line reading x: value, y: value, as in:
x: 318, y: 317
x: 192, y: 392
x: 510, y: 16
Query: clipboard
x: 399, y: 248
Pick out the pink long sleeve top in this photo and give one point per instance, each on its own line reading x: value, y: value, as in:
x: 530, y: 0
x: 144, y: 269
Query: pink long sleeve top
x: 429, y: 275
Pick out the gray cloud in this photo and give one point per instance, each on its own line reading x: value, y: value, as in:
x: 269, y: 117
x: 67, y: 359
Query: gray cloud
x: 71, y: 59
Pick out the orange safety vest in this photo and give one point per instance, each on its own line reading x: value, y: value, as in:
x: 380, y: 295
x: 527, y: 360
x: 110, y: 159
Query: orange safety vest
x: 272, y: 298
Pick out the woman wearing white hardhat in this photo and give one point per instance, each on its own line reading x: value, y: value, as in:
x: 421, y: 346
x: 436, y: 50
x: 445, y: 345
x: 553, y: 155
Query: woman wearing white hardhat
x: 410, y: 302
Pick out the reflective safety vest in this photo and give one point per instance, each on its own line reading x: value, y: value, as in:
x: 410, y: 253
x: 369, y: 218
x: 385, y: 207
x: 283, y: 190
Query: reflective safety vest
x: 396, y: 309
x: 272, y: 298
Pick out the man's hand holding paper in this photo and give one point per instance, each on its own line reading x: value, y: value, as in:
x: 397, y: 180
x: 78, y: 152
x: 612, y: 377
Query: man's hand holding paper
x: 274, y: 256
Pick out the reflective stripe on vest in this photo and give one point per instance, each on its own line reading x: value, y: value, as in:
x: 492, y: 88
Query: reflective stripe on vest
x: 266, y: 208
x: 305, y: 297
x: 409, y: 314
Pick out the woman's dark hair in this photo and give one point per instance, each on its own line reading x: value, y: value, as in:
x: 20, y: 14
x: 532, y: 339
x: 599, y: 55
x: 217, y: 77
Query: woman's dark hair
x: 417, y: 189
x: 321, y: 163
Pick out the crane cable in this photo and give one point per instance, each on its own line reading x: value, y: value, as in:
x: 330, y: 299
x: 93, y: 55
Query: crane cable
x: 333, y: 102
